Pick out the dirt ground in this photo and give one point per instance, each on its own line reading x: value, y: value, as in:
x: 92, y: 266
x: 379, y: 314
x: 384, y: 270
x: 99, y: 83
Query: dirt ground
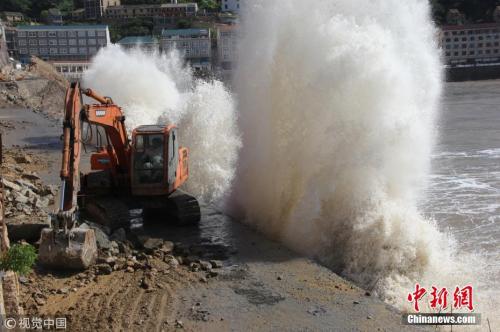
x: 118, y: 302
x: 220, y: 276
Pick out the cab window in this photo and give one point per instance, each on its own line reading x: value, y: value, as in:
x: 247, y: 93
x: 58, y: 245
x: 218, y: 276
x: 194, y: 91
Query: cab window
x: 149, y: 158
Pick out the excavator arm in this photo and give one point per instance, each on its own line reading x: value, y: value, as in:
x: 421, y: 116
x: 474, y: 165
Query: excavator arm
x: 64, y: 244
x: 71, y: 153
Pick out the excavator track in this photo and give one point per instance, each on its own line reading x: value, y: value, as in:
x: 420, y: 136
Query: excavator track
x: 179, y: 208
x: 183, y: 209
x: 108, y: 211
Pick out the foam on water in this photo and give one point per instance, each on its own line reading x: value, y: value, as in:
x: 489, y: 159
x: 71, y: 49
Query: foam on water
x: 338, y: 102
x: 154, y: 88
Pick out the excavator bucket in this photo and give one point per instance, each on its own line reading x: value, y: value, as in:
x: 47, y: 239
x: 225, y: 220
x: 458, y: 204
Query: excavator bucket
x: 75, y: 250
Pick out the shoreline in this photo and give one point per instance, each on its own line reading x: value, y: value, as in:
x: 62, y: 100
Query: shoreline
x: 261, y: 285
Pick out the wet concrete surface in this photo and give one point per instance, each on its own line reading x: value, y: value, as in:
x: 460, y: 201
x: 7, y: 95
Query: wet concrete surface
x: 266, y: 287
x: 24, y: 128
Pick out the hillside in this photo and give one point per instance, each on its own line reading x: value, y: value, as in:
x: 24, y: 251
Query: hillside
x: 34, y: 8
x: 474, y: 10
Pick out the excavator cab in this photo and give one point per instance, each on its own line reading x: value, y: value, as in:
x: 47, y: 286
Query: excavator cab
x: 159, y: 166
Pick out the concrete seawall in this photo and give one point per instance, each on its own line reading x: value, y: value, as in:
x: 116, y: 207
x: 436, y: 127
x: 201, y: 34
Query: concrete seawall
x: 476, y: 73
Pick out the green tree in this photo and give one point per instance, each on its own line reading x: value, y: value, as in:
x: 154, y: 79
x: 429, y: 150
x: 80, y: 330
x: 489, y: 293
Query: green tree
x: 208, y: 4
x: 135, y: 27
x: 23, y: 6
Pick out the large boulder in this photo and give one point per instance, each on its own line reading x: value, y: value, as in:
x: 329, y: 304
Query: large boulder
x: 27, y: 229
x: 102, y: 239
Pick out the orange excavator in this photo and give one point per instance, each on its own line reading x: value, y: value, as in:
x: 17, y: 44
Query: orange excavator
x: 144, y: 171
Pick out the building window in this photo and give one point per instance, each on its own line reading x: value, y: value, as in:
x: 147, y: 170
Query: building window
x: 101, y: 33
x: 91, y: 33
x: 42, y: 42
x: 464, y: 45
x: 52, y: 42
x: 456, y: 53
x: 53, y: 50
x: 61, y: 34
x: 472, y: 52
x: 44, y: 50
x: 92, y: 42
x: 52, y: 34
x: 23, y: 51
x: 71, y: 33
x: 21, y: 34
x: 82, y: 42
x: 22, y: 42
x: 72, y: 42
x: 42, y: 34
x: 63, y: 50
x: 63, y: 42
x: 472, y: 38
x: 82, y: 50
x: 73, y: 50
x: 33, y: 42
x: 33, y: 51
x: 32, y: 34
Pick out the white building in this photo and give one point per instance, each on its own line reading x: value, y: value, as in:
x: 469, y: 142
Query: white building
x: 61, y: 42
x: 227, y: 42
x: 155, y: 10
x: 95, y: 9
x: 194, y: 44
x: 71, y: 70
x: 149, y: 44
x: 231, y: 6
x: 471, y: 44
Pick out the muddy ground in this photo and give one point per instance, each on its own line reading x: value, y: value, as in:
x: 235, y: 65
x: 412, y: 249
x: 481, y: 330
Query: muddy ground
x: 221, y: 276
